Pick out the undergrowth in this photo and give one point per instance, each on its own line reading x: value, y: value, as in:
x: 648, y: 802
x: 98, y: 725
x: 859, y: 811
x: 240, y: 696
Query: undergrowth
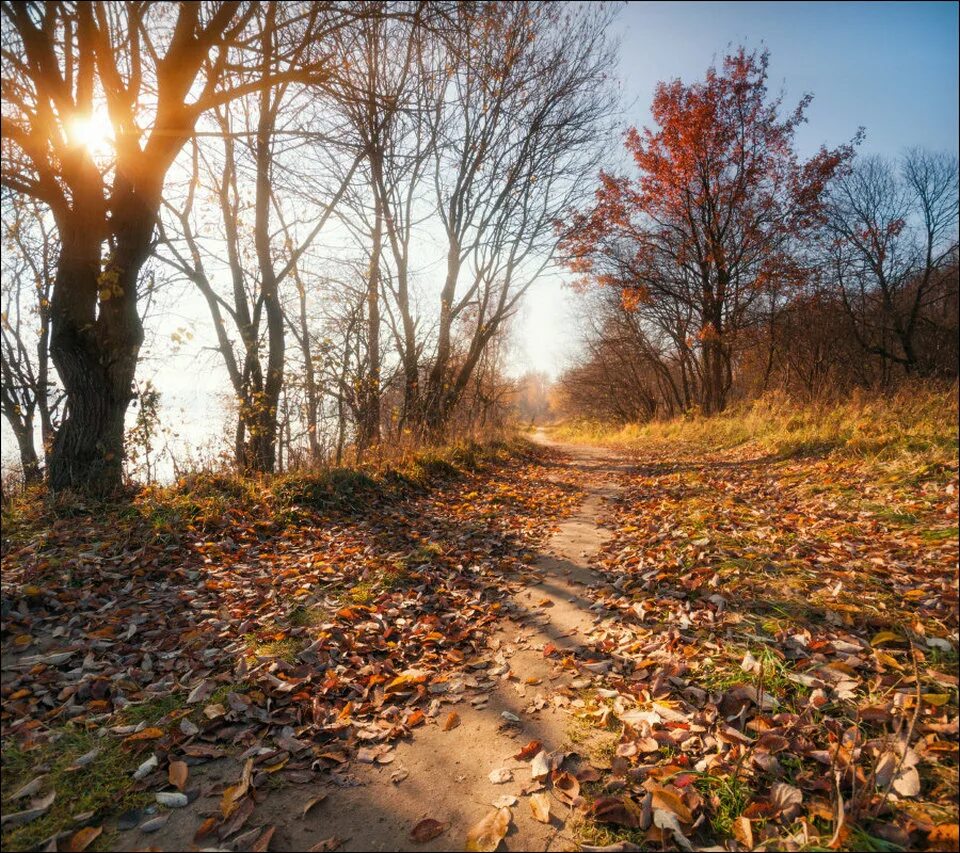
x: 207, y: 501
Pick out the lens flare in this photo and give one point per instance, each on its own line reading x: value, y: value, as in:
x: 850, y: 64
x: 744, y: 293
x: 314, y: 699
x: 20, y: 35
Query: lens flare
x: 92, y: 132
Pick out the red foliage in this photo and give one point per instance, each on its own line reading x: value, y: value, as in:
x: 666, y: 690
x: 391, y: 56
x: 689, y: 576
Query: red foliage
x: 720, y: 193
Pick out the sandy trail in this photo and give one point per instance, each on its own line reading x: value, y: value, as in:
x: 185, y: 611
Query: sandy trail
x: 447, y: 772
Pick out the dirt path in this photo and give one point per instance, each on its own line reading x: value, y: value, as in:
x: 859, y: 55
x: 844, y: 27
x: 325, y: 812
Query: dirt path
x: 519, y: 694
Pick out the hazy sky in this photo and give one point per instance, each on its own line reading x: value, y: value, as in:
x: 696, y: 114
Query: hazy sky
x: 890, y: 67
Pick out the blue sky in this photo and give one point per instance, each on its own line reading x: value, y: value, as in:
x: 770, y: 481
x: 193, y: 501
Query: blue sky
x: 890, y: 67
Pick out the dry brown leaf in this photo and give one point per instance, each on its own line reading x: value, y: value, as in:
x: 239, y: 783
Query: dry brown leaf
x: 663, y: 798
x: 262, y: 844
x: 232, y: 796
x: 311, y: 803
x: 566, y: 787
x: 150, y: 733
x: 485, y: 836
x: 529, y: 751
x: 83, y: 838
x: 743, y: 832
x: 426, y: 830
x: 177, y: 774
x: 540, y: 806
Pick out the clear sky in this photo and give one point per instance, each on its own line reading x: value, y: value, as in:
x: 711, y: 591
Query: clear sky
x: 890, y: 67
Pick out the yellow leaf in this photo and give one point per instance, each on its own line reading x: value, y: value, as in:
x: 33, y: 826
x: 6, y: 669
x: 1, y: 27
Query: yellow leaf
x: 540, y: 806
x: 885, y: 637
x: 936, y: 699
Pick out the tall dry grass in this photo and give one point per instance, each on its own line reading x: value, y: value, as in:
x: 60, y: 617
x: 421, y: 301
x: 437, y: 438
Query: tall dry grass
x: 920, y: 421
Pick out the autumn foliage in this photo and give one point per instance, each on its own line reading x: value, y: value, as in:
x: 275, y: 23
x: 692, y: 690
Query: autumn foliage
x: 714, y: 214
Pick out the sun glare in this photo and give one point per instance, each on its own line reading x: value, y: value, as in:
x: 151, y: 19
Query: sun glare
x: 93, y: 132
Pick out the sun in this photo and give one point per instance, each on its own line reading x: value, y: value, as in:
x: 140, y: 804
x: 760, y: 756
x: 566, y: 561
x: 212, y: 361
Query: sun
x: 93, y: 132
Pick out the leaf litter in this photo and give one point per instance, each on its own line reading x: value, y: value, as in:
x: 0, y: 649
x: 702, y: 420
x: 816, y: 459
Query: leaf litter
x: 295, y: 644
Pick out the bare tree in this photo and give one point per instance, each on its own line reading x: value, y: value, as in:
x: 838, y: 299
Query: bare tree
x: 525, y: 105
x: 29, y: 390
x: 156, y: 69
x: 892, y: 246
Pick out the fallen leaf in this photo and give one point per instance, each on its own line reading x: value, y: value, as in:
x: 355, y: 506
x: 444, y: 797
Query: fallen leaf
x: 529, y: 751
x: 150, y: 733
x: 663, y: 819
x: 540, y: 806
x: 426, y: 830
x: 566, y: 787
x: 452, y: 721
x: 616, y: 810
x: 311, y: 803
x: 27, y: 790
x: 743, y: 832
x: 177, y: 774
x: 786, y: 799
x: 485, y: 836
x: 540, y: 766
x: 262, y: 844
x: 83, y: 838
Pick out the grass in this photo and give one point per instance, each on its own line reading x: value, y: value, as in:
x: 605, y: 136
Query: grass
x: 285, y: 649
x: 205, y: 502
x: 729, y: 796
x: 152, y: 711
x: 100, y: 786
x: 912, y: 425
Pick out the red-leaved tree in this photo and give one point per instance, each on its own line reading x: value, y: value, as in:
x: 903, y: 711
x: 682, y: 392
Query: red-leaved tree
x: 714, y: 217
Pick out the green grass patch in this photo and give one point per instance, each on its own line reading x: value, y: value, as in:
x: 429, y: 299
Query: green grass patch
x: 728, y: 796
x: 101, y: 786
x: 152, y: 711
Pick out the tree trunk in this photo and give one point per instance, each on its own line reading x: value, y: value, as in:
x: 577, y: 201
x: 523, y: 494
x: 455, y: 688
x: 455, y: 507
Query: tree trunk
x: 370, y: 424
x: 95, y: 354
x: 29, y: 462
x: 434, y: 409
x: 263, y: 442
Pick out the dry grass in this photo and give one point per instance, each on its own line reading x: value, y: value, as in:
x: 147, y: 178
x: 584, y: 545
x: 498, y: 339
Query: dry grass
x: 913, y: 425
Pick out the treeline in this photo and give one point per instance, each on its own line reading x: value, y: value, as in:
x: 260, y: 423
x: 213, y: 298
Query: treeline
x: 728, y: 266
x: 360, y: 193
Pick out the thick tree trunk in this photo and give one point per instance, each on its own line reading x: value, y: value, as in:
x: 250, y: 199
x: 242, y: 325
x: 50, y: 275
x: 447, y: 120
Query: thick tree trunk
x: 95, y: 353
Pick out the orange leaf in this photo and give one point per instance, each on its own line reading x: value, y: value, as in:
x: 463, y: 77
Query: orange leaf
x: 83, y: 838
x: 151, y: 733
x: 177, y: 774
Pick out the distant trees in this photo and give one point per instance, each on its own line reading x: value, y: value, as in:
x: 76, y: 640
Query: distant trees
x: 734, y: 266
x: 891, y: 245
x: 29, y: 391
